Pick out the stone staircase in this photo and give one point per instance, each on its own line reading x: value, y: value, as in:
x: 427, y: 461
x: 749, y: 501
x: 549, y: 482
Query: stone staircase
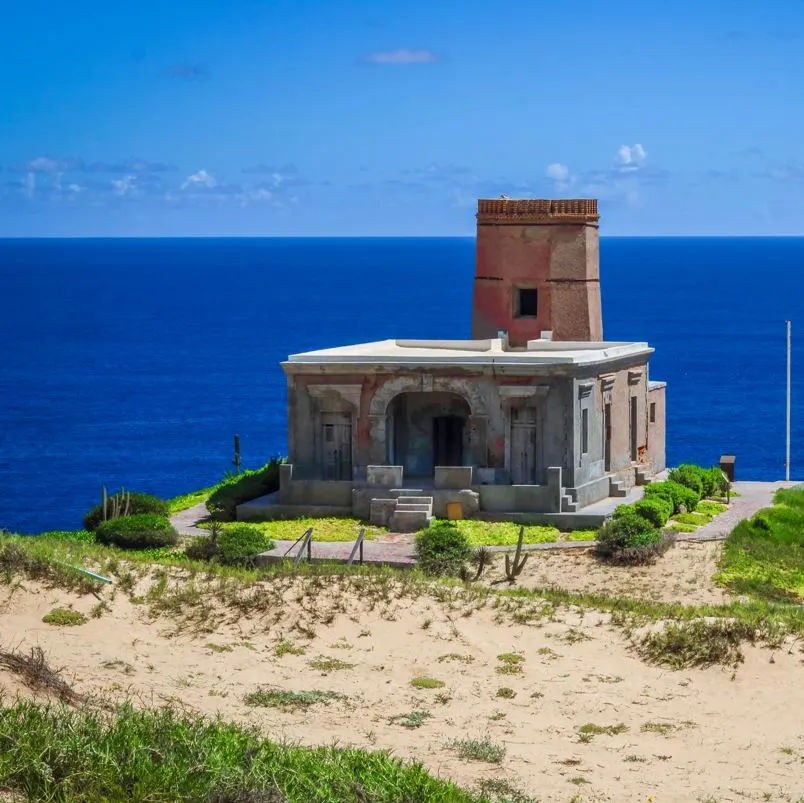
x: 617, y: 488
x: 406, y: 511
x: 643, y: 475
x: 569, y: 501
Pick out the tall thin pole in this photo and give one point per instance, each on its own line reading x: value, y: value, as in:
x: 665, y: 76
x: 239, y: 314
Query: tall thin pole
x: 787, y: 440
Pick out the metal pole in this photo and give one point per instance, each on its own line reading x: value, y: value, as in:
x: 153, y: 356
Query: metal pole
x: 787, y: 439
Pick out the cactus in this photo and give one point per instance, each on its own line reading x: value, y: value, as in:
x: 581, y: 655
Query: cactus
x: 482, y: 559
x: 116, y: 505
x: 513, y: 568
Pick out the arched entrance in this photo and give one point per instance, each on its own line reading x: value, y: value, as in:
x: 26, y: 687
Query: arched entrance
x: 427, y: 429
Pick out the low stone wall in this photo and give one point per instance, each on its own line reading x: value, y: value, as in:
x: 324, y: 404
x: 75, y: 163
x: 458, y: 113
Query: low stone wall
x: 592, y: 491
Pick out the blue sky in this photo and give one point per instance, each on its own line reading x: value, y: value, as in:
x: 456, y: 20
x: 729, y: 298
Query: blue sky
x: 317, y: 117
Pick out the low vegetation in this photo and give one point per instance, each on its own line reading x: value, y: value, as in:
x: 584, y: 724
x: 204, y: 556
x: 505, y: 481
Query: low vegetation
x: 143, y: 531
x: 764, y: 556
x: 427, y: 683
x: 442, y: 549
x: 64, y: 617
x: 290, y: 700
x: 153, y: 755
x: 478, y: 750
x: 235, y: 489
x: 135, y: 504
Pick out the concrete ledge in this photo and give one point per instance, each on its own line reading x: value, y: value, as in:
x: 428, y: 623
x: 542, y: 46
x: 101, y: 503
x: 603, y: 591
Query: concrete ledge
x: 267, y: 508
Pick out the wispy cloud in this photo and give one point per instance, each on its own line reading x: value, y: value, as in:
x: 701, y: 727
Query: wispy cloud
x: 199, y: 179
x: 187, y: 71
x: 130, y: 166
x: 402, y: 57
x: 557, y: 171
x: 631, y: 157
x: 792, y: 171
x: 48, y: 164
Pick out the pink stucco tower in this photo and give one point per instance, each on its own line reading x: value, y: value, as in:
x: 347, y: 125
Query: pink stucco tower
x: 537, y: 269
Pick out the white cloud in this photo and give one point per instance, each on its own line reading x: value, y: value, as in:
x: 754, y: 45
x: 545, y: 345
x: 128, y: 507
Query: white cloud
x: 199, y: 179
x: 125, y: 186
x: 557, y: 171
x: 402, y: 56
x: 30, y: 184
x: 631, y: 157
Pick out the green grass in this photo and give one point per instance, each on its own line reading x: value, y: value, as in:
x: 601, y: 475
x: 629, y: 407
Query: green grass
x: 63, y: 617
x: 581, y: 535
x: 693, y: 519
x: 511, y: 663
x: 478, y: 750
x: 764, y: 557
x: 590, y: 729
x: 289, y: 700
x: 324, y: 664
x: 710, y: 508
x: 162, y: 756
x: 413, y: 720
x: 185, y: 501
x: 503, y: 533
x: 324, y: 529
x: 287, y: 648
x: 427, y: 683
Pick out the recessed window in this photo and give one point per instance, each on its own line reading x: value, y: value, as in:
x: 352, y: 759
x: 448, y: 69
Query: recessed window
x: 653, y: 412
x: 584, y: 431
x: 527, y: 302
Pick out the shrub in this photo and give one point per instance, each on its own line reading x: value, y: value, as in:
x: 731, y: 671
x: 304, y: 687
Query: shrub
x: 239, y: 544
x: 202, y: 548
x: 675, y: 493
x: 689, y: 476
x: 144, y: 531
x: 715, y: 482
x: 138, y: 503
x: 442, y: 549
x: 64, y: 617
x: 656, y: 510
x: 630, y: 539
x: 238, y: 488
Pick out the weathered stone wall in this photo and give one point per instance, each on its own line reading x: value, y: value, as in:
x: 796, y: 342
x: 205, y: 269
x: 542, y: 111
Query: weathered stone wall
x: 525, y: 244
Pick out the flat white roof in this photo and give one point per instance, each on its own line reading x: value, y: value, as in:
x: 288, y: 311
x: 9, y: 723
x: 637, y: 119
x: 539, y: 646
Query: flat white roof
x: 471, y: 352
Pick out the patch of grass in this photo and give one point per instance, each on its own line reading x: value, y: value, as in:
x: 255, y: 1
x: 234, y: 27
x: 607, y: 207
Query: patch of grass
x: 591, y: 729
x: 478, y: 750
x: 700, y: 643
x: 503, y: 533
x: 581, y: 535
x: 511, y: 663
x: 501, y: 791
x: 287, y: 648
x: 325, y: 664
x: 664, y: 728
x: 163, y: 756
x: 324, y: 529
x: 573, y: 636
x: 764, y: 557
x: 506, y: 693
x: 64, y: 617
x: 456, y: 656
x: 289, y: 700
x: 678, y: 527
x: 415, y: 719
x: 186, y: 501
x: 692, y: 519
x: 218, y: 647
x: 579, y: 780
x: 546, y: 652
x: 427, y: 683
x: 710, y: 508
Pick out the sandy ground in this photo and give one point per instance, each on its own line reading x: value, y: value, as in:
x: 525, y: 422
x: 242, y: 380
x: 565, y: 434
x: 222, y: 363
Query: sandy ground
x: 693, y: 735
x: 684, y: 574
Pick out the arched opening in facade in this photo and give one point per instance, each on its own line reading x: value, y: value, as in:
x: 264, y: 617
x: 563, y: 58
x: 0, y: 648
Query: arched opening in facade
x: 427, y: 430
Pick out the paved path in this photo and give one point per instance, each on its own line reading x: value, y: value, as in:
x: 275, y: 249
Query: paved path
x: 396, y: 549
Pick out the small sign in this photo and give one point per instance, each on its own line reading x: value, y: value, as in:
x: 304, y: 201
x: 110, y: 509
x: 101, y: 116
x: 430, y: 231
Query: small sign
x: 454, y: 511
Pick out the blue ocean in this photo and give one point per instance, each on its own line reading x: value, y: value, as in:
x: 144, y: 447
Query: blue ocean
x: 134, y: 362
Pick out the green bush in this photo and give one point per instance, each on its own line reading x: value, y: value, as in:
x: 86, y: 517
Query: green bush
x: 630, y: 538
x: 715, y: 483
x: 145, y: 531
x: 689, y: 476
x: 239, y: 544
x: 238, y: 488
x: 675, y: 493
x: 138, y: 503
x: 442, y: 549
x: 655, y: 510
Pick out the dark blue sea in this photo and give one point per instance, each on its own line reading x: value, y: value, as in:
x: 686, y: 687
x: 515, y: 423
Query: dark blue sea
x: 134, y: 362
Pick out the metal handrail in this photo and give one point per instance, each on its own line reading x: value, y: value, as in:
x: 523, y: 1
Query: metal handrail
x: 307, y: 541
x: 358, y: 545
x: 304, y: 537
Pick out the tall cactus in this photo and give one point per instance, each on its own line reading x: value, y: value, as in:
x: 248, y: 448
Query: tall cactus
x: 116, y: 505
x: 513, y: 568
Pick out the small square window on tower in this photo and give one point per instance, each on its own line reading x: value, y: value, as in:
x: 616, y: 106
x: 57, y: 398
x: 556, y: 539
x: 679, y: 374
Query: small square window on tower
x: 526, y: 302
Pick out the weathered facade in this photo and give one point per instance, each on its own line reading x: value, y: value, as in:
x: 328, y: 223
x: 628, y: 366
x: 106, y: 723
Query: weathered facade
x: 534, y: 418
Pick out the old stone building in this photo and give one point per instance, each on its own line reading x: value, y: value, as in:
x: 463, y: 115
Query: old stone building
x: 535, y: 418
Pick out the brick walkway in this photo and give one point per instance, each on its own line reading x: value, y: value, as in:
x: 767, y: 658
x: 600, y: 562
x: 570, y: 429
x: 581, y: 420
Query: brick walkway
x: 396, y: 549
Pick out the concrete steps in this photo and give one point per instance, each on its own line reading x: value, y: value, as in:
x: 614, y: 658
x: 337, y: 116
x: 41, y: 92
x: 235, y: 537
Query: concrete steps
x: 412, y: 512
x: 617, y: 489
x: 643, y: 475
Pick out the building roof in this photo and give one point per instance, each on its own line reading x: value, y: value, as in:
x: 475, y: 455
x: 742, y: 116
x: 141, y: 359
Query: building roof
x: 446, y: 353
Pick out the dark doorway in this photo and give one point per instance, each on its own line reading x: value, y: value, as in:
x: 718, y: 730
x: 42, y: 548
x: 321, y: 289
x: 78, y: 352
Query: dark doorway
x: 633, y: 429
x: 607, y: 437
x: 447, y: 440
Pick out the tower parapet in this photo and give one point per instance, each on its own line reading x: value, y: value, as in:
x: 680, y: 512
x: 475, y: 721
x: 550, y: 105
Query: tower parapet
x: 537, y: 269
